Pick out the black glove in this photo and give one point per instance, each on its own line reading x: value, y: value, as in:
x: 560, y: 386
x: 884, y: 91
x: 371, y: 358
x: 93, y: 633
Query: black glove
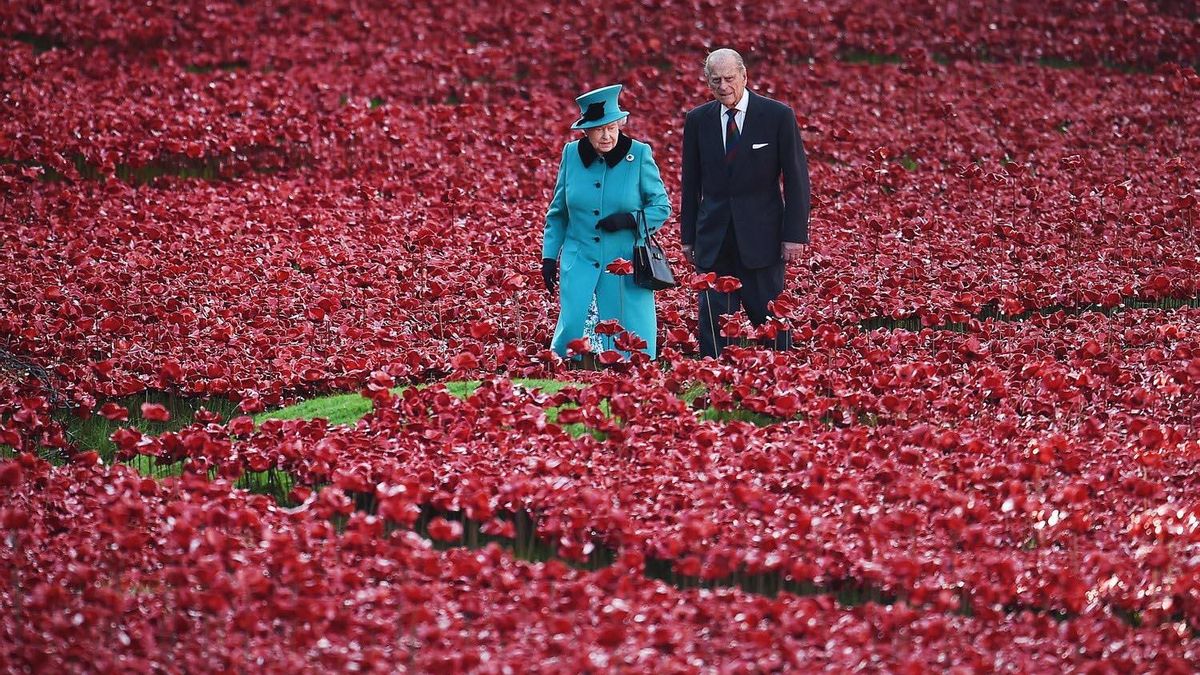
x: 617, y: 221
x: 550, y: 273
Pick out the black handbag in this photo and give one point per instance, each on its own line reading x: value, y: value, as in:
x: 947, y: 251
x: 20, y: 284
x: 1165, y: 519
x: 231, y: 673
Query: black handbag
x: 650, y: 266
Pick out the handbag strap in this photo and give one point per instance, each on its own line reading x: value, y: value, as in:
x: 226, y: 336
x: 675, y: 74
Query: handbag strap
x: 643, y: 228
x: 644, y: 237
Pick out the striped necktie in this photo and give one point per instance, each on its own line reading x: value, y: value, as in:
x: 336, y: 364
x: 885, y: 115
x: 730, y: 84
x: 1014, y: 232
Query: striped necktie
x: 731, y: 136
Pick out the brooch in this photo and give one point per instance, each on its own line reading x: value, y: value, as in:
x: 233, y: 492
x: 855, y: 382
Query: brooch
x: 629, y: 157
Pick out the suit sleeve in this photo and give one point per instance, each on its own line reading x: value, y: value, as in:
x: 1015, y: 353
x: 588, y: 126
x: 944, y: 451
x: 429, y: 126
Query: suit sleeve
x: 653, y: 193
x: 556, y: 214
x: 796, y: 188
x: 689, y: 202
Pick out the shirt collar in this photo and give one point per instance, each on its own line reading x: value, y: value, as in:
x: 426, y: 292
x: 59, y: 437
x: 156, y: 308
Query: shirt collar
x: 741, y: 105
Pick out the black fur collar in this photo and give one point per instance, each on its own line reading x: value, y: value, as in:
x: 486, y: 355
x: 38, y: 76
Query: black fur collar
x: 588, y: 154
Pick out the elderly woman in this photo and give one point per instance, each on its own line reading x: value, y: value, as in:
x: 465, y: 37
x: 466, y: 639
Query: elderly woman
x: 607, y: 184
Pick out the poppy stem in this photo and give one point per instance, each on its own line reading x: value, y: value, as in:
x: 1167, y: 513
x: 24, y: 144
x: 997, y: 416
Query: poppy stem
x: 621, y: 300
x: 517, y: 321
x: 725, y: 341
x: 712, y: 330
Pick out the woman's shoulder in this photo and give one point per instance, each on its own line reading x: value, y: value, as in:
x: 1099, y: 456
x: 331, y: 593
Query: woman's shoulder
x: 570, y: 150
x: 640, y: 148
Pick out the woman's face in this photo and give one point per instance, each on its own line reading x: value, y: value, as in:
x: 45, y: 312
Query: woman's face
x: 603, y: 138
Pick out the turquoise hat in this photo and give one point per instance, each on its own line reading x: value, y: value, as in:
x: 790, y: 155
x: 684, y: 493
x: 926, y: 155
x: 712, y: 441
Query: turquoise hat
x: 599, y: 107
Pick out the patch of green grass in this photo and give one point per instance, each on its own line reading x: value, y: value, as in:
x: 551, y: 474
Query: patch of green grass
x: 274, y: 483
x: 712, y: 414
x: 869, y: 58
x: 1059, y: 63
x: 93, y: 432
x: 154, y: 468
x: 40, y: 43
x: 693, y: 392
x: 208, y: 168
x: 224, y: 66
x: 336, y: 408
x: 847, y: 593
x: 349, y: 408
x: 578, y: 429
x: 741, y: 415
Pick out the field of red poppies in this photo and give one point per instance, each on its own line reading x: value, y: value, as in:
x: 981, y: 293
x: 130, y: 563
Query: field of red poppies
x: 981, y: 456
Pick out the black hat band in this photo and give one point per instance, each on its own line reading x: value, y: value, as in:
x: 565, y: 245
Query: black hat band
x: 594, y: 112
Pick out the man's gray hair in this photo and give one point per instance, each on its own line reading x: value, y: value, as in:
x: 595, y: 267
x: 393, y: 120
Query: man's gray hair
x: 721, y: 55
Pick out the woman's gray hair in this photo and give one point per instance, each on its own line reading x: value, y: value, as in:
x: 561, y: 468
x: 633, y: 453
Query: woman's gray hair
x: 721, y: 55
x: 620, y: 124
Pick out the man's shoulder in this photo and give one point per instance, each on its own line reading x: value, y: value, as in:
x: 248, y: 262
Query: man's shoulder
x: 703, y: 108
x: 770, y: 104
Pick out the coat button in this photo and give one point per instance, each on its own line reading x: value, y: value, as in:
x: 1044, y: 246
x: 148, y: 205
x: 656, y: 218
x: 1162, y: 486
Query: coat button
x: 595, y: 238
x: 597, y: 183
x: 596, y: 265
x: 595, y: 212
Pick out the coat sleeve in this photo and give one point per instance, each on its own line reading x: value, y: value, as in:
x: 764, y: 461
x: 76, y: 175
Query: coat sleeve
x: 689, y: 202
x: 653, y: 193
x: 796, y: 188
x: 556, y: 214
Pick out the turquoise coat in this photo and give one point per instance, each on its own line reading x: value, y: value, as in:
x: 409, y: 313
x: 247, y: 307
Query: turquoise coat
x: 590, y: 187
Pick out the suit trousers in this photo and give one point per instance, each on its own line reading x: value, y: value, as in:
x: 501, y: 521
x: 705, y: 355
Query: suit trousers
x: 759, y: 287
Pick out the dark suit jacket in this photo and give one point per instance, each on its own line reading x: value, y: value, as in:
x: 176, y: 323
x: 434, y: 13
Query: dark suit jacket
x: 746, y: 195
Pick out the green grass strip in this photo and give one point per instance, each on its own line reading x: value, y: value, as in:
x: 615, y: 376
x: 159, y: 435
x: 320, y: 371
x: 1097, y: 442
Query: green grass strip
x: 349, y: 408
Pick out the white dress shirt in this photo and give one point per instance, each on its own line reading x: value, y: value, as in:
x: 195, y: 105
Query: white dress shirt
x: 740, y: 117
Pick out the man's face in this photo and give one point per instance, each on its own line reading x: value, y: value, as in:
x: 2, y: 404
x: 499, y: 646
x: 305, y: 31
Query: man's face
x: 727, y: 82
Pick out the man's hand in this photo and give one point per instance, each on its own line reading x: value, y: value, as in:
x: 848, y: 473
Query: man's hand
x: 689, y: 254
x: 792, y: 252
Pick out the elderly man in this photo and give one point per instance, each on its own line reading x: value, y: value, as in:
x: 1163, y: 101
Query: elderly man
x: 736, y: 220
